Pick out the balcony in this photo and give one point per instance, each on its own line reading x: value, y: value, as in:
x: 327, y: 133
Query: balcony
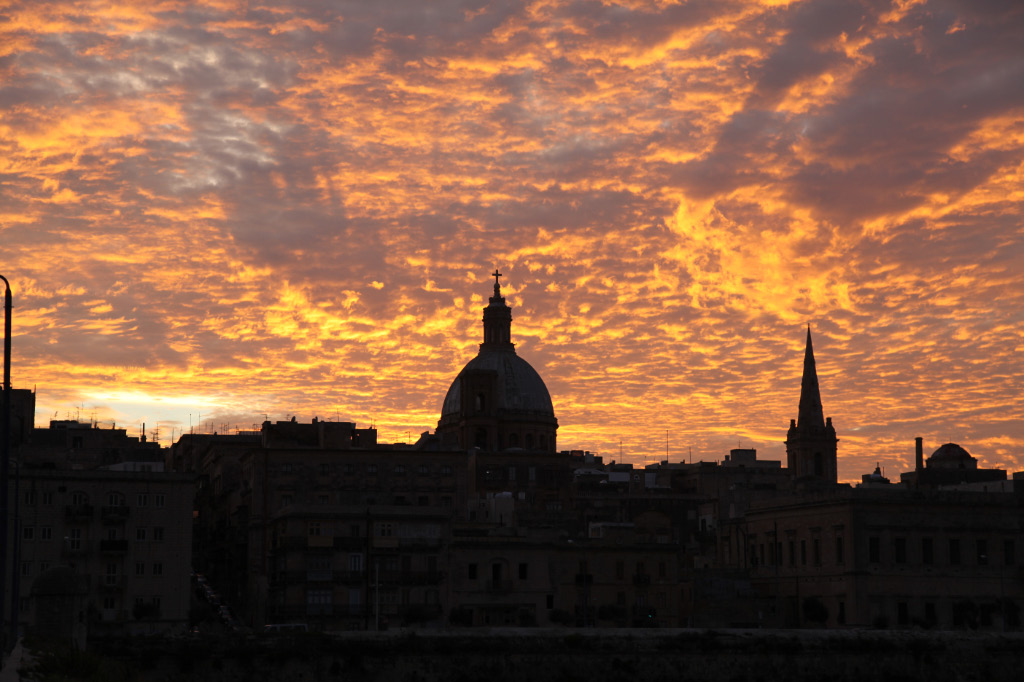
x: 79, y: 512
x: 320, y: 541
x: 320, y: 576
x: 114, y: 546
x: 349, y: 542
x: 350, y: 577
x: 499, y: 586
x: 116, y: 514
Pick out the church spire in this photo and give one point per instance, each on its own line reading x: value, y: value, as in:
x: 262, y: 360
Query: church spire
x: 811, y: 440
x: 810, y: 413
x: 497, y: 320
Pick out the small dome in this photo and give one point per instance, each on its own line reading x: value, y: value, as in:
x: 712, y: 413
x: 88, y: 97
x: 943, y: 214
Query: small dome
x: 519, y: 387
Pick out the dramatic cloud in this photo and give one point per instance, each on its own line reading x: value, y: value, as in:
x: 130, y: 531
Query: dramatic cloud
x: 216, y: 212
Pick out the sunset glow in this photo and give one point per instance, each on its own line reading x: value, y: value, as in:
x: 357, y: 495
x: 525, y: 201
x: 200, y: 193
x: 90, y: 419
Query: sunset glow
x: 215, y: 213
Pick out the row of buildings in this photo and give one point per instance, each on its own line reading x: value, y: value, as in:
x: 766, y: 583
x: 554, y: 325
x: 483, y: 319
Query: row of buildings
x: 485, y: 522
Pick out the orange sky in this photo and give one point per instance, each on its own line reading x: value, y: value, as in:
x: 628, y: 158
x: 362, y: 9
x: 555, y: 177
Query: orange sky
x: 212, y: 212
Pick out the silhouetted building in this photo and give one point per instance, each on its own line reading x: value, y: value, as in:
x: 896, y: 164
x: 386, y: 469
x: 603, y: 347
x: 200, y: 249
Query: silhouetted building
x: 498, y: 401
x: 811, y: 440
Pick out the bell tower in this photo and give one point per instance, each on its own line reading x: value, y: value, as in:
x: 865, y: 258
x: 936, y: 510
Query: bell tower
x: 811, y: 443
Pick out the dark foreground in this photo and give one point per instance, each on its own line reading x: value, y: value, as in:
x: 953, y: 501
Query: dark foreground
x: 555, y: 655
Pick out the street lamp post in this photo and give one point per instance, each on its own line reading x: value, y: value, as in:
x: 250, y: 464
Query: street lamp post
x: 5, y: 460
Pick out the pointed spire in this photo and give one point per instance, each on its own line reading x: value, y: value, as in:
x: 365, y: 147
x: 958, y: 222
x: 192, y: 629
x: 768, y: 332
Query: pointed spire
x: 810, y: 414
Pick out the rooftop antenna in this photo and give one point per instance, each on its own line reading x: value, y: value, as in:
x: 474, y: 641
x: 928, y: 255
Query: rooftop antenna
x: 620, y: 449
x: 691, y: 455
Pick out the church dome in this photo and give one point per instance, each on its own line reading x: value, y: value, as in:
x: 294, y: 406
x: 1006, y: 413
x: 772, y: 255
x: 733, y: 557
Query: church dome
x: 498, y: 401
x: 519, y: 386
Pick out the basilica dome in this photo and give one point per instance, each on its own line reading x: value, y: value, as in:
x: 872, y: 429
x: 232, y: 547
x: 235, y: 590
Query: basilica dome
x: 519, y: 387
x: 498, y: 401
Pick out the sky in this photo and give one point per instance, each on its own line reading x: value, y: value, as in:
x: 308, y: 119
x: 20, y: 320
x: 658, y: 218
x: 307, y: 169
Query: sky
x: 217, y: 213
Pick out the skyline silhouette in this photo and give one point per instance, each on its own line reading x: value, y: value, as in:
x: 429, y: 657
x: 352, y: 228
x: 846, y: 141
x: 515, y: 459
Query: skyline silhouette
x: 225, y: 214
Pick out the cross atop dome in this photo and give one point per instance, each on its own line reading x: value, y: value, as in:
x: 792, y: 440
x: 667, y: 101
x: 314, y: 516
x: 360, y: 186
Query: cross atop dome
x: 497, y: 284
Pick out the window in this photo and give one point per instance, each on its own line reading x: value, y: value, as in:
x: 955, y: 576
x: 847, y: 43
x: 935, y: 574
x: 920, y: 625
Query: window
x: 423, y: 470
x: 524, y: 569
x: 115, y: 500
x: 158, y: 500
x: 45, y: 533
x: 839, y: 550
x: 954, y: 551
x: 817, y: 551
x: 371, y: 468
x: 385, y: 530
x: 803, y: 552
x: 314, y: 528
x: 142, y: 499
x: 927, y: 551
x: 662, y: 569
x: 323, y: 499
x: 158, y: 534
x: 511, y: 473
x: 318, y: 597
x: 471, y: 571
x: 792, y: 553
x: 349, y: 469
x: 899, y: 550
x: 30, y: 498
x: 47, y: 499
x: 620, y: 570
x: 75, y: 538
x: 140, y: 534
x: 532, y: 474
x: 446, y: 469
x: 355, y: 563
x: 109, y: 603
x: 902, y: 613
x: 286, y: 468
x: 79, y: 499
x: 874, y: 550
x: 26, y: 568
x: 27, y: 533
x: 158, y: 569
x: 140, y: 568
x: 325, y: 468
x: 982, y: 552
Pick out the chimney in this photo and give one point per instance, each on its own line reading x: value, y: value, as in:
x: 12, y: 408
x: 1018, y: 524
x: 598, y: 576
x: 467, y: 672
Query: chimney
x: 919, y: 453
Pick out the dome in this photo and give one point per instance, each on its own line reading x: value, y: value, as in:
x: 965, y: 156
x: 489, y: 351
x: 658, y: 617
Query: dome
x: 952, y: 455
x: 498, y: 402
x: 519, y: 387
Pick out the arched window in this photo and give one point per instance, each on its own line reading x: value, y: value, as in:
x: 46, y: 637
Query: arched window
x: 481, y: 438
x: 529, y: 441
x: 481, y: 402
x: 513, y: 440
